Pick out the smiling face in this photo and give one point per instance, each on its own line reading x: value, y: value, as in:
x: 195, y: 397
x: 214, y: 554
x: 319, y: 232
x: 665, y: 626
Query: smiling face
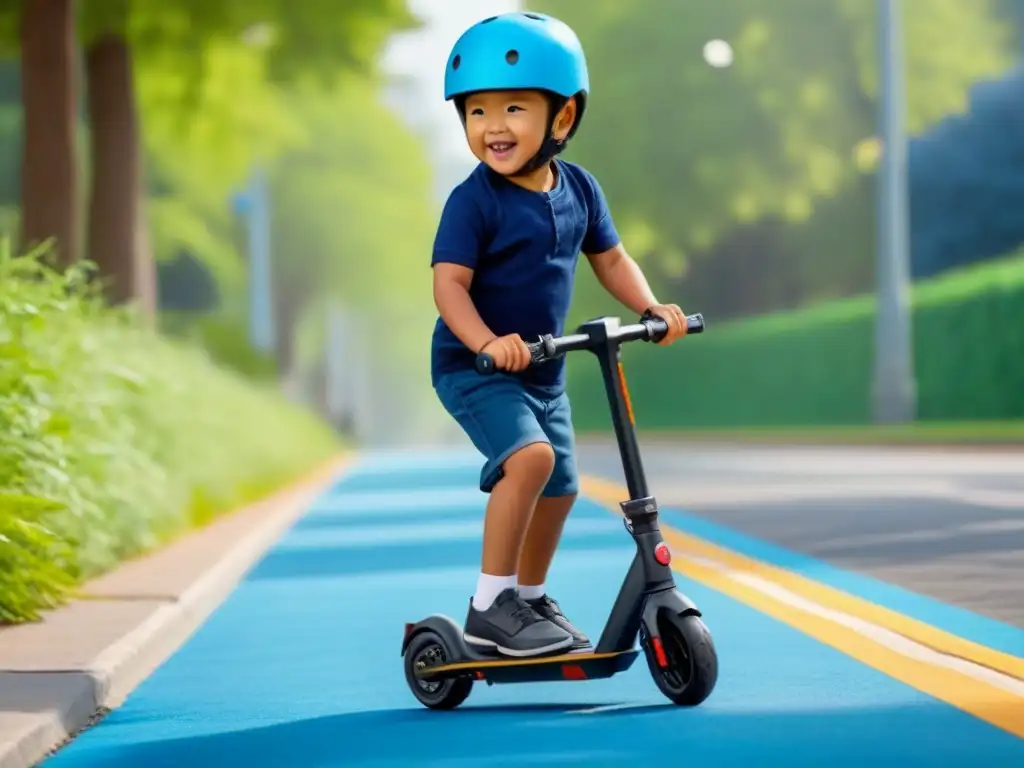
x: 506, y: 128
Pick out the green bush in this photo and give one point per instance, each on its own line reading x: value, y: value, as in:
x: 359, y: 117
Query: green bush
x: 224, y: 338
x: 115, y: 439
x: 814, y: 366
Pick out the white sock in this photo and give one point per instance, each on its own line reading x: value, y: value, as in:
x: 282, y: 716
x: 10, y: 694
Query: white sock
x: 531, y: 593
x: 489, y: 587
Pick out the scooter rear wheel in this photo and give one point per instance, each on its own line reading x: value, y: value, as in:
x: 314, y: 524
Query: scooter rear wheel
x: 428, y: 649
x: 692, y: 669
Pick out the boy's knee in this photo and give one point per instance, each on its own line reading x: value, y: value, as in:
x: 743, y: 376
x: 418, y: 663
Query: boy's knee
x: 536, y: 460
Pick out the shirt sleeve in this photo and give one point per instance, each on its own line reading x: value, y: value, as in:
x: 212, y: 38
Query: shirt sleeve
x: 601, y: 233
x: 460, y: 232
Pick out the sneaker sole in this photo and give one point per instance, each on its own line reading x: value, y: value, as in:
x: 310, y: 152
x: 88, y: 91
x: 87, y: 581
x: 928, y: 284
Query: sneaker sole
x: 479, y: 641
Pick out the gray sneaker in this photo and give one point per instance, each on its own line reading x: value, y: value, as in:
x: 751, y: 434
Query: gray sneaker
x: 548, y: 609
x: 513, y: 628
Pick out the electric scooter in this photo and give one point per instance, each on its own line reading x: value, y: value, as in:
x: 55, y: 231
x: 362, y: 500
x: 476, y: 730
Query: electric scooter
x: 440, y: 667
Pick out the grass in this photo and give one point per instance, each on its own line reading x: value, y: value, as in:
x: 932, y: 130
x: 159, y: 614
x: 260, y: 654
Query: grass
x: 115, y: 440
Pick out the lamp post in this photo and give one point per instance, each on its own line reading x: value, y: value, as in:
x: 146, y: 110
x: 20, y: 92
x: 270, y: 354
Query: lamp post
x: 253, y: 203
x: 894, y: 389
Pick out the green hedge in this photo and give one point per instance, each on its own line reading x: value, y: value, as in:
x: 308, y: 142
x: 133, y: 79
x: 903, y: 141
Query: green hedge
x: 814, y: 366
x: 115, y: 439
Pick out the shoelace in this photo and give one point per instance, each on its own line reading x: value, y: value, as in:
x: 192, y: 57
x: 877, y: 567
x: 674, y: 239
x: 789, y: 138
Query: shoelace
x: 523, y: 611
x: 546, y: 604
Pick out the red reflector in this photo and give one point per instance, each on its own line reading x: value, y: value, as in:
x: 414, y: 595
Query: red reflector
x: 479, y: 675
x: 659, y: 652
x: 662, y: 554
x: 573, y: 672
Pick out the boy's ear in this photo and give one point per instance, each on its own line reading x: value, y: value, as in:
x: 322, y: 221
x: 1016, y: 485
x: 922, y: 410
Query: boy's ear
x: 564, y: 120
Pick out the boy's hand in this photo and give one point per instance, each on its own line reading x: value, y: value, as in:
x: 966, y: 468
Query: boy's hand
x: 510, y: 353
x: 676, y: 319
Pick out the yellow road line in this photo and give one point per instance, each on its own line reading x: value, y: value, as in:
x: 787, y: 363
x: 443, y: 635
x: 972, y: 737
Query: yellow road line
x: 986, y: 683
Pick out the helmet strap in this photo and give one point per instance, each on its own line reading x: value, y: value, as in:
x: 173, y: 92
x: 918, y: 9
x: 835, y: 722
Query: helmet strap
x: 551, y: 146
x: 548, y: 149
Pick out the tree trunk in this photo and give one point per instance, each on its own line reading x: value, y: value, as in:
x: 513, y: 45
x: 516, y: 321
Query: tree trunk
x: 117, y: 239
x: 49, y: 176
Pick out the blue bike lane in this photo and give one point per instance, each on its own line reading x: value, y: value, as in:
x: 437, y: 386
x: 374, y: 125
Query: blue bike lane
x: 301, y: 665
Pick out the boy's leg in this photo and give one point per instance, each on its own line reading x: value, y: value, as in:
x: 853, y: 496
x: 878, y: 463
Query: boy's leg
x: 519, y: 459
x: 549, y: 516
x: 511, y: 503
x: 542, y: 537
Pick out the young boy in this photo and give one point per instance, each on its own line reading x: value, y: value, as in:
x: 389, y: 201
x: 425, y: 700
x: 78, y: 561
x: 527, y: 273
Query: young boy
x: 503, y: 262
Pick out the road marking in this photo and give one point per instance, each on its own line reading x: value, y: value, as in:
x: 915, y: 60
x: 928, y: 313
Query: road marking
x: 609, y: 708
x: 979, y: 680
x: 370, y: 504
x: 890, y: 639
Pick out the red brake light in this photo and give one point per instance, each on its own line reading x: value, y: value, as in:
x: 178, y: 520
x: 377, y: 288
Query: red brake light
x: 662, y: 554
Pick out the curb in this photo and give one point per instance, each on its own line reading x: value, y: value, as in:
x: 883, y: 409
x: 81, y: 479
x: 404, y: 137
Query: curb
x: 52, y: 706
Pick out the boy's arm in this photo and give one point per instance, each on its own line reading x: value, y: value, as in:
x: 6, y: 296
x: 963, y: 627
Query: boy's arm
x: 622, y: 277
x: 457, y: 246
x: 451, y: 297
x: 616, y: 270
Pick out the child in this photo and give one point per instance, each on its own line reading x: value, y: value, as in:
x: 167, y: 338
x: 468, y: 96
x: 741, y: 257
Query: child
x: 504, y: 259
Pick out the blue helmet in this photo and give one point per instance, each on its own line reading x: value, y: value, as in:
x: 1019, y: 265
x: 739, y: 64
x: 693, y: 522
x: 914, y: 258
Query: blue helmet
x: 519, y: 51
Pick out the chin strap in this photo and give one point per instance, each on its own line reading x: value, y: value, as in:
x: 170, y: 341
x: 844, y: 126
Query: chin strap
x: 549, y: 147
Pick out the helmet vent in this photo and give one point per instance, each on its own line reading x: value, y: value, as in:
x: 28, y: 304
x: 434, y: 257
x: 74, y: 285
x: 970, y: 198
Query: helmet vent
x: 512, y: 57
x: 488, y: 21
x: 456, y: 61
x: 534, y: 16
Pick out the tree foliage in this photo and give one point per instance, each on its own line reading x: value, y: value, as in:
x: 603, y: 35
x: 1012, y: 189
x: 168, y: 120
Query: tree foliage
x: 210, y: 77
x: 216, y: 104
x: 690, y: 156
x: 967, y: 181
x: 353, y: 213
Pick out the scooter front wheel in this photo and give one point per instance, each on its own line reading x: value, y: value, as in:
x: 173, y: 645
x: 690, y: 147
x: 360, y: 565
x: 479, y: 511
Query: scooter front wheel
x: 428, y: 649
x: 687, y: 669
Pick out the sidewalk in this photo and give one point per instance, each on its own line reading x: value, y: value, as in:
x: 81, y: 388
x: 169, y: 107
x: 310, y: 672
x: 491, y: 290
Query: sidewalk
x: 64, y: 673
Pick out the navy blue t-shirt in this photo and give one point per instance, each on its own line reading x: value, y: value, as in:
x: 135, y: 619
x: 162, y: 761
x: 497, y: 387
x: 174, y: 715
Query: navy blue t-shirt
x: 523, y: 247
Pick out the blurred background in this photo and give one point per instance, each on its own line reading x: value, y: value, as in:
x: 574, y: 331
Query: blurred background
x: 264, y: 178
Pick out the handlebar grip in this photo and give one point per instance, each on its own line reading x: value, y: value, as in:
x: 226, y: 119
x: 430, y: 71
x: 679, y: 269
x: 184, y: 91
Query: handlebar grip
x: 485, y: 364
x: 657, y: 328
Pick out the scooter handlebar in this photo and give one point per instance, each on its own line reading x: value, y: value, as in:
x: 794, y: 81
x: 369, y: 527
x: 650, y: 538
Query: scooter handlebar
x: 649, y: 328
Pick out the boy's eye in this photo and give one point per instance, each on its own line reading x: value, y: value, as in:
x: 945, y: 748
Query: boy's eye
x: 476, y: 111
x: 515, y: 108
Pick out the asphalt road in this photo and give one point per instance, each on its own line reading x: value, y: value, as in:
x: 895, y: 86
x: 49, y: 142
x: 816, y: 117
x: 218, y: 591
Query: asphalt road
x: 300, y: 666
x: 948, y: 524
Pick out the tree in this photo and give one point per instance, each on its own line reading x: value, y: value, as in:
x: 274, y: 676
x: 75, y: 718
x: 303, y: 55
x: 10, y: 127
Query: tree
x: 353, y: 214
x: 49, y: 173
x: 117, y: 237
x: 309, y: 39
x: 967, y: 181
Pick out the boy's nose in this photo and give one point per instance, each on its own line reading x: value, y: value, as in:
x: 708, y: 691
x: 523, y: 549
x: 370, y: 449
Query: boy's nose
x: 495, y: 126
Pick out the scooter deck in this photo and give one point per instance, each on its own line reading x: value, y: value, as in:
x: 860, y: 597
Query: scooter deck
x: 576, y: 665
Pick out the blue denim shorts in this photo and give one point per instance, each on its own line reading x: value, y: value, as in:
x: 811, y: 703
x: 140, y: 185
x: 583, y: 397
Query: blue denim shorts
x: 501, y: 416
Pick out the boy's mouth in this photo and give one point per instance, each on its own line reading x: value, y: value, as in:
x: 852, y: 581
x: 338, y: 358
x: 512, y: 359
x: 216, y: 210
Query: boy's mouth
x: 501, y: 148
